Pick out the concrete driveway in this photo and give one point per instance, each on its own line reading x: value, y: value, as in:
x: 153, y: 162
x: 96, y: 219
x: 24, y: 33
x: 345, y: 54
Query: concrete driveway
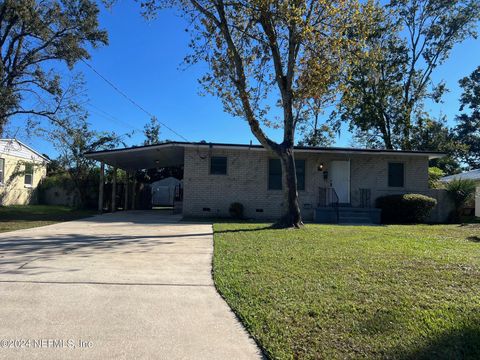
x: 133, y: 285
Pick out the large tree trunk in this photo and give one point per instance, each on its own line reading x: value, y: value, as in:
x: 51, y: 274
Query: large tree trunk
x: 291, y: 216
x: 387, y: 140
x: 386, y: 131
x: 407, y: 126
x: 3, y: 122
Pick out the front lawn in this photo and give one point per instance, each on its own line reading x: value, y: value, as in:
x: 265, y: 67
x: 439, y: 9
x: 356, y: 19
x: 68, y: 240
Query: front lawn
x: 28, y: 216
x: 354, y: 292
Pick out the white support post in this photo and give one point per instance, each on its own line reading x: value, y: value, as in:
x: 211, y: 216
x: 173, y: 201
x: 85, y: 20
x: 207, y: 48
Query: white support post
x: 134, y: 191
x: 100, y: 187
x: 127, y: 178
x: 114, y: 189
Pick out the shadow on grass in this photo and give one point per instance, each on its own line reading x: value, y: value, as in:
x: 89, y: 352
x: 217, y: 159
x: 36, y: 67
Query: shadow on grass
x: 383, y: 321
x: 41, y: 213
x: 260, y: 226
x: 230, y: 221
x: 474, y: 238
x: 455, y: 344
x: 473, y: 225
x: 270, y: 227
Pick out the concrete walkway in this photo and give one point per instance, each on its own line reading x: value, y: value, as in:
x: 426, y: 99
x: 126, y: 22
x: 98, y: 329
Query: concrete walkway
x: 133, y: 285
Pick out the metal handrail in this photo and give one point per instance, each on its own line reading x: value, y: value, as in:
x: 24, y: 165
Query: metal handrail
x: 329, y: 198
x: 322, y: 197
x: 336, y: 204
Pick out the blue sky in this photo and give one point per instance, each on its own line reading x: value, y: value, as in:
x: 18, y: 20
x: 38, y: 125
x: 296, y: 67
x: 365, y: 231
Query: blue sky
x: 144, y: 59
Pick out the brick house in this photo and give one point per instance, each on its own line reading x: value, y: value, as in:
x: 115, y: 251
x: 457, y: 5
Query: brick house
x: 216, y: 175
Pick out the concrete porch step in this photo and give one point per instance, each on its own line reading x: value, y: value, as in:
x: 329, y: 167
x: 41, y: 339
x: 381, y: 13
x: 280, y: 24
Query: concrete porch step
x: 354, y: 214
x: 347, y: 215
x: 357, y: 220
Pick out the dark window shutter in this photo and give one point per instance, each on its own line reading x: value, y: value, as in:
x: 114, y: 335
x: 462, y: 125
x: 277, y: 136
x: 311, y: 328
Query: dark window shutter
x: 396, y: 174
x: 300, y: 170
x: 274, y: 174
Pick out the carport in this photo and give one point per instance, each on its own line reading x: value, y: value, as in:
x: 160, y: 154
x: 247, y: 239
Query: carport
x: 132, y: 159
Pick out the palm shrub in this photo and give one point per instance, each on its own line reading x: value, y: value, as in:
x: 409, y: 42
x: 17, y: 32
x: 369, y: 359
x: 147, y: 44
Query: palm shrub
x: 461, y: 191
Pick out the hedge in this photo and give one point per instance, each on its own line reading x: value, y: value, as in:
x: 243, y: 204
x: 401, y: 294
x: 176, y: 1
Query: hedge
x: 406, y: 208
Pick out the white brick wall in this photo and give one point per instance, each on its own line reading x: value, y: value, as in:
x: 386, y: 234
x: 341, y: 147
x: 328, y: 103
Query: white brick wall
x: 247, y: 180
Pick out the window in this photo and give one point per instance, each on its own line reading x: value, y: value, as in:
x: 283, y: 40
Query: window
x: 275, y: 174
x: 396, y: 175
x: 28, y: 174
x: 2, y: 170
x: 218, y: 165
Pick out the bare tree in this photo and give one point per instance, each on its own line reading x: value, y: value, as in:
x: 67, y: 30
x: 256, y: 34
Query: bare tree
x: 33, y: 35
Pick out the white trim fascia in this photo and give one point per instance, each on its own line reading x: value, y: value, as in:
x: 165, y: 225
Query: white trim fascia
x: 247, y: 148
x: 29, y: 148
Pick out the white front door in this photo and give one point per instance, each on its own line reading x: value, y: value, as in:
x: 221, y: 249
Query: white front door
x: 340, y: 179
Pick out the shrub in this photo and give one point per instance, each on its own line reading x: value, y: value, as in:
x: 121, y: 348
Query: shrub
x: 434, y: 176
x: 61, y: 180
x: 236, y: 210
x: 406, y: 208
x: 64, y: 182
x: 461, y: 191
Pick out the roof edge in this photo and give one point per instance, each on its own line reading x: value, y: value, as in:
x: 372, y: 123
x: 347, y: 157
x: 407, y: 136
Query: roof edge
x: 432, y: 154
x: 28, y: 147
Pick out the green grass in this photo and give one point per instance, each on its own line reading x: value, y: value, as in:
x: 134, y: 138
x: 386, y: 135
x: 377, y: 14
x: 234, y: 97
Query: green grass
x: 28, y: 216
x: 353, y: 292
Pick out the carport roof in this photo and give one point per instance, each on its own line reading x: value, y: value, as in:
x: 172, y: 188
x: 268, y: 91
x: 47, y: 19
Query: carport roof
x: 142, y: 157
x: 172, y: 153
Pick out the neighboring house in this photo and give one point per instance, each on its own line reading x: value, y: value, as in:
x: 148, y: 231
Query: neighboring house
x: 216, y: 175
x: 163, y: 191
x: 468, y: 175
x: 21, y: 170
